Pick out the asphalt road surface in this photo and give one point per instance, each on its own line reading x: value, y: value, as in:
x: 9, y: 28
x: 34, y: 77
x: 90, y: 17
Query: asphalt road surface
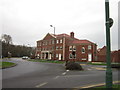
x: 48, y: 75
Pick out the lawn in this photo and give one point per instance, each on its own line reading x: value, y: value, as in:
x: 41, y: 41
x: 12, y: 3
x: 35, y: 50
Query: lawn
x: 6, y: 64
x: 47, y: 61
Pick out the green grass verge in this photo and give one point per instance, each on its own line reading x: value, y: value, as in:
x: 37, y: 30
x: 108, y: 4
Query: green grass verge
x: 6, y: 64
x: 47, y: 61
x: 101, y: 63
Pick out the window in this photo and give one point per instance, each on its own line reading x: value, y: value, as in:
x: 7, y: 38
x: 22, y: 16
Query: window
x: 83, y: 58
x: 60, y: 47
x: 74, y: 56
x: 74, y: 48
x: 83, y: 50
x: 39, y: 49
x: 52, y: 48
x: 70, y: 55
x: 57, y: 48
x: 70, y: 48
x: 49, y: 42
x: 89, y: 47
x: 45, y: 43
x: 56, y: 55
x: 40, y: 43
x: 60, y: 40
x: 52, y: 41
x: 57, y: 41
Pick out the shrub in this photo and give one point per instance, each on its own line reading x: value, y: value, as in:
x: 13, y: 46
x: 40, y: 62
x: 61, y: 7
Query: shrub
x: 115, y: 66
x: 73, y: 66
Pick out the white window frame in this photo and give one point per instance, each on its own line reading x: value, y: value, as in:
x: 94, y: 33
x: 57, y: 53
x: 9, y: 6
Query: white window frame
x: 74, y: 48
x: 57, y: 55
x: 70, y: 56
x: 60, y: 40
x: 89, y: 47
x: 70, y: 48
x: 82, y: 49
x: 52, y: 41
x: 57, y: 41
x: 83, y: 59
x: 57, y: 47
x: 61, y: 47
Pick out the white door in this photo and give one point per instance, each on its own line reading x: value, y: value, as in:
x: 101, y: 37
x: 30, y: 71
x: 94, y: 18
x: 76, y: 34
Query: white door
x: 59, y: 56
x: 90, y: 57
x: 50, y: 56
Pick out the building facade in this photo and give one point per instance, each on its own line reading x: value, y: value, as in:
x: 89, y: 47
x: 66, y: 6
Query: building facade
x: 66, y: 47
x: 101, y: 55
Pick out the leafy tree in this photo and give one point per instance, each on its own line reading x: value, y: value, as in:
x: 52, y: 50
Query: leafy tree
x: 6, y: 39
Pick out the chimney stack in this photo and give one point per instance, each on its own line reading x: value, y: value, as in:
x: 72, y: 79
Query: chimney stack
x: 72, y: 34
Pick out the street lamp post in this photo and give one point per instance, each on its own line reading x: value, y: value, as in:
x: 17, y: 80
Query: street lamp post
x: 108, y: 52
x: 54, y: 42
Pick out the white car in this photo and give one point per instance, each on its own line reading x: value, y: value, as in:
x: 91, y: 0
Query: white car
x: 25, y: 57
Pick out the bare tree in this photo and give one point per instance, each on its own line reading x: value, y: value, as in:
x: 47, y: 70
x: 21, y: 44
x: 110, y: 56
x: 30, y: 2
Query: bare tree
x: 6, y: 39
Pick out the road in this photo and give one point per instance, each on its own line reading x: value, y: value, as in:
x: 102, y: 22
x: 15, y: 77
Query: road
x: 48, y: 75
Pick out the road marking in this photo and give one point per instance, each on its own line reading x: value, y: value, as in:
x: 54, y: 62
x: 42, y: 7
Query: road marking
x: 82, y: 64
x: 94, y: 85
x: 56, y: 77
x: 64, y: 73
x: 89, y: 69
x: 98, y: 68
x: 67, y: 70
x: 40, y: 85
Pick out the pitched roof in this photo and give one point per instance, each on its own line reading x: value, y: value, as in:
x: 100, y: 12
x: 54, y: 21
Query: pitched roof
x: 73, y: 40
x: 81, y: 41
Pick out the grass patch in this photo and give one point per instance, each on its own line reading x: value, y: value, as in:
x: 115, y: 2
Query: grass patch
x: 47, y: 61
x: 6, y: 64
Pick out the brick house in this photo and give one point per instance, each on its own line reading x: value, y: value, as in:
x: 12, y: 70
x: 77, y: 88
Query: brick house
x: 101, y: 55
x: 66, y: 47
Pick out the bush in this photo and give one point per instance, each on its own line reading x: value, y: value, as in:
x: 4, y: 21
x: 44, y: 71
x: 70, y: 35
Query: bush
x: 73, y: 66
x: 115, y: 66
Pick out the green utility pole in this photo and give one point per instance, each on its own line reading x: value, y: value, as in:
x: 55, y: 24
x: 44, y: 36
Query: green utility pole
x: 109, y: 23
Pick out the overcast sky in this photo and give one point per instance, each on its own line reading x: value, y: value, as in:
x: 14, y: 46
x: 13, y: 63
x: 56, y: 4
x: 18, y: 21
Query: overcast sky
x: 29, y: 20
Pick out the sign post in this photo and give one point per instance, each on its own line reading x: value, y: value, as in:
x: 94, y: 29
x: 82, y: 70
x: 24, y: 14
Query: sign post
x: 109, y: 23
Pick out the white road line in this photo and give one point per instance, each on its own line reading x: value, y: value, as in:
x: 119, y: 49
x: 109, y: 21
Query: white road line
x: 64, y: 73
x: 40, y: 85
x: 67, y: 70
x: 56, y: 77
x: 89, y: 69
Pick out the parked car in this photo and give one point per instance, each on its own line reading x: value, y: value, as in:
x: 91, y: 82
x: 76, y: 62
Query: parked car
x: 25, y: 57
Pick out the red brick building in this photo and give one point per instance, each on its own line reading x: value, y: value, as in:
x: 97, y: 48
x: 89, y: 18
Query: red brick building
x: 66, y: 47
x: 101, y: 55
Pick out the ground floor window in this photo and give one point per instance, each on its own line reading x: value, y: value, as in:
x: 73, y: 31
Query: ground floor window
x: 56, y: 55
x: 70, y: 56
x: 83, y: 59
